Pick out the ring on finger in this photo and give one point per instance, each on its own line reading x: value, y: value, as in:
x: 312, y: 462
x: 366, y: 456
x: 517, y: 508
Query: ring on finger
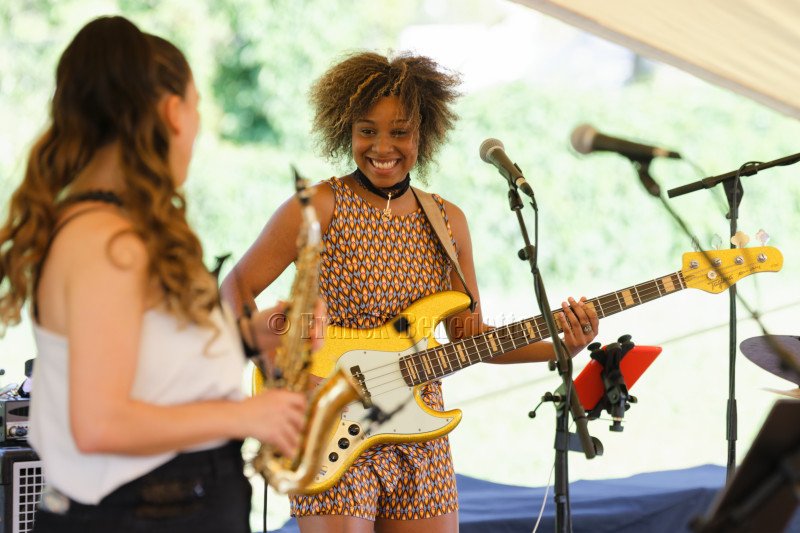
x: 587, y: 328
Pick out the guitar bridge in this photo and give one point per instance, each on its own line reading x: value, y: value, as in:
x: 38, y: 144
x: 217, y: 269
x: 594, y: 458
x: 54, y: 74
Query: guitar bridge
x: 355, y: 371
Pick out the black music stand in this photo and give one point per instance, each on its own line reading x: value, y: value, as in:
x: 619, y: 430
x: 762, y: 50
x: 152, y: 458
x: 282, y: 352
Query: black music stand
x: 763, y: 494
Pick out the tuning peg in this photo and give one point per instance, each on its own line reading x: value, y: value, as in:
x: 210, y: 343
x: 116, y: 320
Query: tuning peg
x: 740, y: 239
x: 716, y: 242
x: 763, y: 237
x: 696, y: 244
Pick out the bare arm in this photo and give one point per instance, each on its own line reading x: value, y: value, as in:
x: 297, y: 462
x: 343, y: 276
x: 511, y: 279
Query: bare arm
x: 469, y: 323
x: 273, y: 250
x: 100, y: 307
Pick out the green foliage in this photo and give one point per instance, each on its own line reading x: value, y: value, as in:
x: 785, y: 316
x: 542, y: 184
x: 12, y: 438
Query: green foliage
x: 595, y: 217
x: 272, y: 52
x: 255, y: 60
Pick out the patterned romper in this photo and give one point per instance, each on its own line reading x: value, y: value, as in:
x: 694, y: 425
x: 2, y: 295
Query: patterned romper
x: 371, y: 270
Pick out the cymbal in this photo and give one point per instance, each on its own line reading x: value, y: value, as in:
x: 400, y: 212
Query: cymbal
x: 761, y: 352
x: 791, y: 393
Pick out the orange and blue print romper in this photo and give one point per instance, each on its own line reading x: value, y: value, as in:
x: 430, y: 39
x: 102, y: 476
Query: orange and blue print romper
x: 372, y: 269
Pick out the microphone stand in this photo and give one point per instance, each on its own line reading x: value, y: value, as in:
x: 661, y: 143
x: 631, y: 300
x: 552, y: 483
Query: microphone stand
x: 748, y: 170
x: 733, y: 192
x: 569, y: 403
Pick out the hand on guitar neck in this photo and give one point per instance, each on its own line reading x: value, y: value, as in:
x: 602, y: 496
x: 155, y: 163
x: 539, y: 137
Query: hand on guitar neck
x: 580, y: 324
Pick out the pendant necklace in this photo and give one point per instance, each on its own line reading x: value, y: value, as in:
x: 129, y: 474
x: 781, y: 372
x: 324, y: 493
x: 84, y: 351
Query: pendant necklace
x: 389, y: 192
x: 388, y: 211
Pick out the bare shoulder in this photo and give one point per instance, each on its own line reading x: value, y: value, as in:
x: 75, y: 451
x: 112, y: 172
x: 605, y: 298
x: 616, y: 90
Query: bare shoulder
x: 322, y: 198
x: 276, y: 246
x: 287, y: 216
x: 97, y: 261
x: 324, y: 201
x: 101, y: 234
x: 452, y: 209
x: 457, y: 218
x: 323, y: 191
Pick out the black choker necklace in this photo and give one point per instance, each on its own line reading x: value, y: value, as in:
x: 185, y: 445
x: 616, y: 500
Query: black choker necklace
x: 388, y: 193
x: 394, y: 192
x: 96, y: 195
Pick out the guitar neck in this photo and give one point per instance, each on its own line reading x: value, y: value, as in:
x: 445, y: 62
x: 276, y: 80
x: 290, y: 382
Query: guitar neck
x: 434, y: 363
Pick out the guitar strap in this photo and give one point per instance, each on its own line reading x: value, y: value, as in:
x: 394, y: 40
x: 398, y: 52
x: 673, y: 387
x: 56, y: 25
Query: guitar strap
x: 435, y: 216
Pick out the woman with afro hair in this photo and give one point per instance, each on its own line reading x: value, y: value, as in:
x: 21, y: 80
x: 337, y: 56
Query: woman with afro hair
x: 380, y: 254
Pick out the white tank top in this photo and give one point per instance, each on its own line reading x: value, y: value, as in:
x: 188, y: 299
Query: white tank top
x: 176, y: 365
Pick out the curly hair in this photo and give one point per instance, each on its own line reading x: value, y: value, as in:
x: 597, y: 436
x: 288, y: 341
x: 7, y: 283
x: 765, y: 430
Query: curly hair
x: 348, y: 90
x: 109, y: 81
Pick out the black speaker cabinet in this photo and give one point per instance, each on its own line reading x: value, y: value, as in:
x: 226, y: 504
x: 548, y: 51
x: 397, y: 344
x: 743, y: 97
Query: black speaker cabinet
x: 22, y: 483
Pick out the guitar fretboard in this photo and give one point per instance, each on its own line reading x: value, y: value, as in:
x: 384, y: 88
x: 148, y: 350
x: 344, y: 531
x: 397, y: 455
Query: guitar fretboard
x: 434, y: 363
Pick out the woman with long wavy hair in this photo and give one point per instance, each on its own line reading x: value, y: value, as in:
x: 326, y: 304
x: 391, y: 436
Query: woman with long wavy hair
x: 137, y: 411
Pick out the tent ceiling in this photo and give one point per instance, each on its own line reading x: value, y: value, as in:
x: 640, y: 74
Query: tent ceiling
x: 749, y: 46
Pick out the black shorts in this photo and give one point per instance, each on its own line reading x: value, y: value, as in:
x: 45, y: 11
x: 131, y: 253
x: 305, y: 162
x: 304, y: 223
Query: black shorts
x: 199, y: 492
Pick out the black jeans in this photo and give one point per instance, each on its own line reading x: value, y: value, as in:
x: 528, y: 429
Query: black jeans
x: 200, y: 492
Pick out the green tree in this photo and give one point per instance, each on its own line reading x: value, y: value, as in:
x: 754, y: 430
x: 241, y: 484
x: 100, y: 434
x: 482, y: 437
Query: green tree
x: 273, y: 50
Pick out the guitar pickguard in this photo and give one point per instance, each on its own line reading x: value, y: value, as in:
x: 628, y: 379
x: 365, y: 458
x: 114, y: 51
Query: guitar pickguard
x: 398, y: 413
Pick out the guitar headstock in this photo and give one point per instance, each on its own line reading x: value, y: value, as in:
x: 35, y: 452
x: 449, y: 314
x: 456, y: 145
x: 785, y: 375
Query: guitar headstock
x: 716, y: 270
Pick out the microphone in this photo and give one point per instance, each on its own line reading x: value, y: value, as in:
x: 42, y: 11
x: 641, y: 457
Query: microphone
x: 585, y: 139
x: 492, y: 151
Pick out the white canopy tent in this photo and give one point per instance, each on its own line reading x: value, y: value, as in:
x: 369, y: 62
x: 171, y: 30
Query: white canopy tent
x: 749, y: 46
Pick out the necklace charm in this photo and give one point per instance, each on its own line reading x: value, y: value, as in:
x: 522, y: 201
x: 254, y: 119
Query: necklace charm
x: 396, y: 191
x: 388, y: 211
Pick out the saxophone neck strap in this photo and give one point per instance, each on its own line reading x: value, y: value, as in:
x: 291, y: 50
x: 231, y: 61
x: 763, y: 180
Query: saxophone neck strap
x: 435, y: 216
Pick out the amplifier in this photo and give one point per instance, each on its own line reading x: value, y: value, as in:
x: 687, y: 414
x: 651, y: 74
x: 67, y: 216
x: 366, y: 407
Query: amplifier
x: 14, y: 419
x: 21, y: 485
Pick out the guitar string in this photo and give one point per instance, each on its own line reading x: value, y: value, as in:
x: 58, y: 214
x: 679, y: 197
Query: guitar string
x: 504, y: 334
x: 614, y: 304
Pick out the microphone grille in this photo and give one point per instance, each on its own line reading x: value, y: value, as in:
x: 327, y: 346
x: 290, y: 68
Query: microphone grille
x: 582, y: 138
x: 487, y: 146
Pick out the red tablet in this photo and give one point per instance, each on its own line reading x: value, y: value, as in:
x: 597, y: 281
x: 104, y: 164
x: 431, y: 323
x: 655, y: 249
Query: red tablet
x: 589, y: 384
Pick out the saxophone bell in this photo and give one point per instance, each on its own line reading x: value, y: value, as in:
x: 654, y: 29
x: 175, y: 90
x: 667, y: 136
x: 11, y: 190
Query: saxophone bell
x: 295, y: 475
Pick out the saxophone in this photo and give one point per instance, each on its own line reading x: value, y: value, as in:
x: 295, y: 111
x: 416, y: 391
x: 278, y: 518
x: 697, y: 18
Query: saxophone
x: 292, y: 360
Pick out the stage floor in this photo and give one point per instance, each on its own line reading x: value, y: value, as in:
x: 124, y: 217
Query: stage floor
x: 655, y: 502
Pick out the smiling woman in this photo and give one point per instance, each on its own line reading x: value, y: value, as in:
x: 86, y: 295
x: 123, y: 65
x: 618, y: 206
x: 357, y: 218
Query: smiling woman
x: 385, y: 143
x: 381, y: 254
